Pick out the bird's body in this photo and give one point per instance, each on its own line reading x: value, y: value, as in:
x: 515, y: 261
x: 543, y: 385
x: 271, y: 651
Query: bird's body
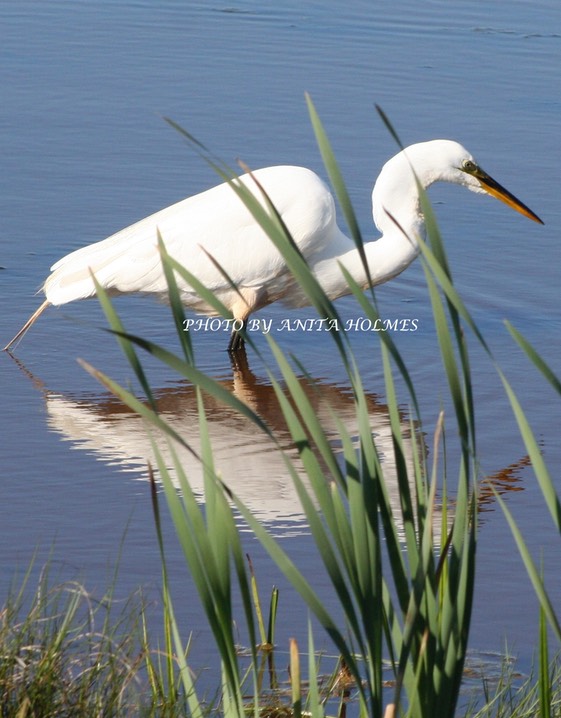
x: 216, y: 228
x: 216, y: 224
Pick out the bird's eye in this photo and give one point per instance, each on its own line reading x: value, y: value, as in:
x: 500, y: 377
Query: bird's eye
x: 469, y: 166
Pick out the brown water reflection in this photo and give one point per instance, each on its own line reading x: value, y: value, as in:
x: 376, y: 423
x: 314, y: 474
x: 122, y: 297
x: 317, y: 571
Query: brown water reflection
x: 248, y: 461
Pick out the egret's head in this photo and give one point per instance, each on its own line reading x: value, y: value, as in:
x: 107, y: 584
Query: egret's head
x: 449, y: 161
x: 476, y: 179
x: 428, y: 162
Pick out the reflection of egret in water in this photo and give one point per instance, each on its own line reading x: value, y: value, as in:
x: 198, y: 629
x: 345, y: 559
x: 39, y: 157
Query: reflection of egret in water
x: 247, y: 460
x: 501, y: 482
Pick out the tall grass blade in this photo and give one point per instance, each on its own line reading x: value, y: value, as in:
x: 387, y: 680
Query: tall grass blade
x: 130, y: 400
x: 535, y: 358
x: 172, y: 630
x: 314, y: 704
x: 117, y: 327
x: 389, y: 126
x: 176, y: 304
x: 534, y: 452
x: 532, y: 570
x: 336, y: 178
x: 544, y: 679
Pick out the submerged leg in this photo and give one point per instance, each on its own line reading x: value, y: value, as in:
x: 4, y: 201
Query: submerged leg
x: 237, y: 342
x: 27, y: 324
x: 241, y: 372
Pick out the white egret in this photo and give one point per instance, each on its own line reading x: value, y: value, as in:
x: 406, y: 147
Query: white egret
x: 216, y: 228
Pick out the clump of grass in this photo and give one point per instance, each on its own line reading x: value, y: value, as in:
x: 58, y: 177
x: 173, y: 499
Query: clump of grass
x: 65, y: 653
x: 516, y: 696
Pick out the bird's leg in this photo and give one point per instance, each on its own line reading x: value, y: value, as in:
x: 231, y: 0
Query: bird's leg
x: 240, y: 367
x: 237, y: 342
x: 27, y: 325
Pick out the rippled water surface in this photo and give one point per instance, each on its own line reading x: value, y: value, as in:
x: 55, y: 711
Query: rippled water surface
x: 85, y: 151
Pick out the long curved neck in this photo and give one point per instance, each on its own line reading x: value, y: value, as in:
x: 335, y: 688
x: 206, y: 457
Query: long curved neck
x: 395, y: 197
x: 386, y: 258
x: 396, y: 210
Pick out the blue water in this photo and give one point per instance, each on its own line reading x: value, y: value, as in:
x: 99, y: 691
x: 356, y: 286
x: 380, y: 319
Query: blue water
x: 85, y: 151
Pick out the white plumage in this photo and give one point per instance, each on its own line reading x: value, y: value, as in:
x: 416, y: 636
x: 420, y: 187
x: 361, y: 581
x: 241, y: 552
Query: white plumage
x: 217, y: 223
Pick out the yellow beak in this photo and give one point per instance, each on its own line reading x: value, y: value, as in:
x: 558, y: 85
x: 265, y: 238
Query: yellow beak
x: 496, y: 190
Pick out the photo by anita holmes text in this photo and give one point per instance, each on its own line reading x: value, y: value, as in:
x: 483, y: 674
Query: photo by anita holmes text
x: 266, y: 326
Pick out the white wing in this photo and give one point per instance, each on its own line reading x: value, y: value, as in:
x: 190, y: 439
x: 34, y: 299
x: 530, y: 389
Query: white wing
x: 215, y: 220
